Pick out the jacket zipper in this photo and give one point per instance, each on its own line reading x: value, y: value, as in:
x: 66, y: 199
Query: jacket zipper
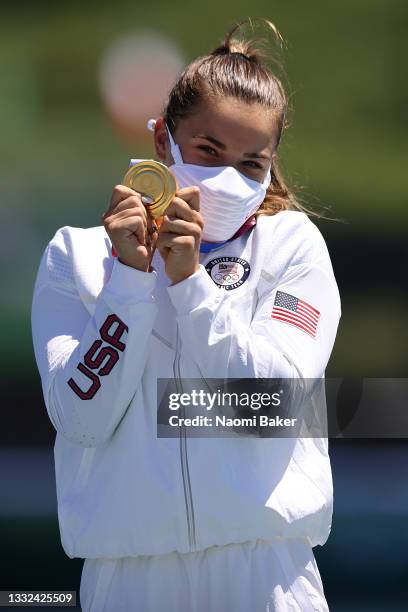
x: 188, y: 495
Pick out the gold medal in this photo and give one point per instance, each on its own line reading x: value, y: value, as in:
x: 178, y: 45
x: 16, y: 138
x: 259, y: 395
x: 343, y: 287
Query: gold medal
x: 156, y: 184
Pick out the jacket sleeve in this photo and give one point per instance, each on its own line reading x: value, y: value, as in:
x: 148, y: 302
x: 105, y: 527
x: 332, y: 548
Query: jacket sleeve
x: 226, y: 345
x: 90, y: 366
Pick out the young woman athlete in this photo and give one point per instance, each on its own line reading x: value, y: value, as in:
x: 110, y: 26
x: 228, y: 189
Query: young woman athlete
x: 236, y: 283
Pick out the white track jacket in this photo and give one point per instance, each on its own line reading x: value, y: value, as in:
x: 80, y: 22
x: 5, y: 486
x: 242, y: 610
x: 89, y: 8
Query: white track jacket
x: 104, y: 332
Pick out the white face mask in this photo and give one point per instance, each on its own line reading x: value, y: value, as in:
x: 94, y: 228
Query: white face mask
x: 227, y: 197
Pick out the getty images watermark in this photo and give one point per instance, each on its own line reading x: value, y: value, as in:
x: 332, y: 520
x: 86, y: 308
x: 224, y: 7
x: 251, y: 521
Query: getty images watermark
x: 242, y: 401
x: 231, y: 407
x: 286, y: 408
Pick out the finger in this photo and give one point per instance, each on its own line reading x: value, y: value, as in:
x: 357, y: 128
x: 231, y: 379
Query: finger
x: 133, y: 202
x: 123, y: 219
x: 175, y: 242
x: 179, y: 208
x: 132, y: 226
x: 127, y: 213
x: 121, y: 192
x: 191, y: 195
x: 179, y: 226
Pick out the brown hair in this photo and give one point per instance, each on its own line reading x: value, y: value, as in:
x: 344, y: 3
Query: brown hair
x: 236, y: 68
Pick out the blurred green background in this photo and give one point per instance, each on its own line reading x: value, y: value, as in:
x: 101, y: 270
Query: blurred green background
x: 61, y: 153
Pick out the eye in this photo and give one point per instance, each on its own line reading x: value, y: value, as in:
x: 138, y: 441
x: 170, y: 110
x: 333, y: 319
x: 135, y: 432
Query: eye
x: 252, y: 162
x: 211, y: 150
x: 207, y: 148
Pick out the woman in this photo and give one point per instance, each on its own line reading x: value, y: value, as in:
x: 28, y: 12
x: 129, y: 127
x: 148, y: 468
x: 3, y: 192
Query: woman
x: 237, y: 283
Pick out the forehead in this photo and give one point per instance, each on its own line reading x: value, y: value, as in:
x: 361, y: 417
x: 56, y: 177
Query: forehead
x: 237, y: 124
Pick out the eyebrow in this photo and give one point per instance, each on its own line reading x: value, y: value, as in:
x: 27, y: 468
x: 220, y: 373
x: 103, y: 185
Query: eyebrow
x: 223, y: 147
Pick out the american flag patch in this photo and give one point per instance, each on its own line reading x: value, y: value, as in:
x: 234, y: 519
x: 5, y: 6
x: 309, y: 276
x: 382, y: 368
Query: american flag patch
x: 291, y: 309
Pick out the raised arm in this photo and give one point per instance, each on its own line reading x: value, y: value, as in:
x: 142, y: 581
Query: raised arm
x: 90, y: 366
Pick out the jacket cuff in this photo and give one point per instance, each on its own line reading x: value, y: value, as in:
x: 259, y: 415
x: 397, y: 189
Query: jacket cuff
x: 192, y: 291
x: 130, y: 284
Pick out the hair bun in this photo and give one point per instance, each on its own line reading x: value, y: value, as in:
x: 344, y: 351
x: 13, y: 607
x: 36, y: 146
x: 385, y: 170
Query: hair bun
x: 245, y: 48
x: 238, y: 47
x: 249, y: 49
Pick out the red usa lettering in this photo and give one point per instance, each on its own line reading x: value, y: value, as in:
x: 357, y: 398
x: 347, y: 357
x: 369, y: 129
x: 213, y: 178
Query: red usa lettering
x: 100, y: 357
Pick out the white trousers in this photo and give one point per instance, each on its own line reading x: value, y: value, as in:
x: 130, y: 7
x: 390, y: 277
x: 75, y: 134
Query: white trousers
x: 258, y: 576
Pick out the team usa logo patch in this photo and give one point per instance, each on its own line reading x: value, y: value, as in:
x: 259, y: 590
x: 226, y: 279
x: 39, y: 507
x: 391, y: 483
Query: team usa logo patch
x: 228, y: 272
x: 294, y: 311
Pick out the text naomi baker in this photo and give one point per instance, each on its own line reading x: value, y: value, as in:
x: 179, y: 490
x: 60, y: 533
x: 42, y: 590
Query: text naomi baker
x: 223, y: 421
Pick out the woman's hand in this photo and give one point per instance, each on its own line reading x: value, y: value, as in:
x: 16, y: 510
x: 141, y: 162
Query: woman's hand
x: 130, y: 228
x: 180, y: 235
